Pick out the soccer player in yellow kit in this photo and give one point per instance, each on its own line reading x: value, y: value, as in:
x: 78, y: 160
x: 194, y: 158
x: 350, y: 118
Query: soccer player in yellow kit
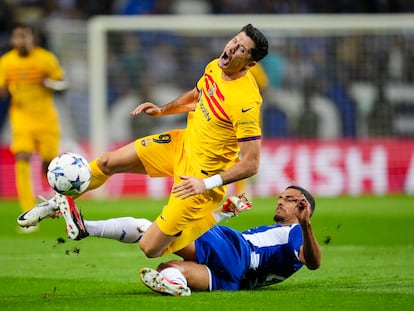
x: 223, y: 121
x: 30, y: 74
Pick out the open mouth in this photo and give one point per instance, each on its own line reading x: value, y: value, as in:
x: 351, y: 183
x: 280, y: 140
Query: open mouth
x: 224, y: 58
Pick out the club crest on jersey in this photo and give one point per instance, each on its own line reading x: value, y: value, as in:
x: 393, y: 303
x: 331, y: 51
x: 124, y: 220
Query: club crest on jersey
x: 145, y: 142
x: 212, y: 89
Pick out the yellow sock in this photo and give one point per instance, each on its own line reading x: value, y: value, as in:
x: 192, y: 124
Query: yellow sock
x: 24, y: 185
x: 191, y: 233
x: 98, y: 177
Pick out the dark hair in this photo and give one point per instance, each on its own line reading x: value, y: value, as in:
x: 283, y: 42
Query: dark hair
x: 17, y: 25
x: 261, y: 45
x: 307, y: 195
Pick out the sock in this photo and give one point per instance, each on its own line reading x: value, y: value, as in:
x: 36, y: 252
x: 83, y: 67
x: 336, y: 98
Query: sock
x: 174, y: 276
x: 24, y: 185
x: 190, y: 233
x: 98, y: 177
x: 123, y: 229
x: 219, y: 215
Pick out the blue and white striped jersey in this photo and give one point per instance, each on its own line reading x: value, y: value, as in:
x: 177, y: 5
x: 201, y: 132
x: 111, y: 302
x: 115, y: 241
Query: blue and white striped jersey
x: 257, y: 257
x: 274, y: 254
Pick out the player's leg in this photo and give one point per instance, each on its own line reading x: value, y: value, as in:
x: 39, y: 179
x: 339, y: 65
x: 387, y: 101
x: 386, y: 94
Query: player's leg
x: 154, y: 242
x: 196, y: 275
x: 233, y: 206
x: 176, y: 277
x: 123, y: 229
x: 112, y: 162
x: 156, y: 281
x: 23, y: 146
x: 24, y: 180
x: 47, y: 139
x: 131, y: 230
x: 122, y: 160
x: 151, y: 155
x: 181, y: 222
x: 224, y: 254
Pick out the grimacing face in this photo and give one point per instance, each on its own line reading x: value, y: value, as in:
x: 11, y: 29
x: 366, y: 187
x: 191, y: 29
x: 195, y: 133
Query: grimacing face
x: 236, y: 54
x: 286, y: 204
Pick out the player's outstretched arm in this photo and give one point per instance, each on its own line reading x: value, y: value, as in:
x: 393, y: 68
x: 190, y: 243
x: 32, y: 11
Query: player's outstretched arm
x: 310, y: 252
x: 184, y: 103
x: 148, y: 108
x: 55, y: 85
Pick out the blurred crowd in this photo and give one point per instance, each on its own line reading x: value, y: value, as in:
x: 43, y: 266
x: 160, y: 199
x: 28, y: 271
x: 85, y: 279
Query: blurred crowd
x: 34, y: 11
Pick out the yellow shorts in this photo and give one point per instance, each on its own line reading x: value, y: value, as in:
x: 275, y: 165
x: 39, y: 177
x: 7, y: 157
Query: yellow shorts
x: 162, y: 156
x: 30, y: 137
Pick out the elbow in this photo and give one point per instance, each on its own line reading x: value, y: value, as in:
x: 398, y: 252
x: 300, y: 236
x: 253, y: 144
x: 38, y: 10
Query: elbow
x: 253, y: 169
x: 314, y: 265
x: 149, y: 251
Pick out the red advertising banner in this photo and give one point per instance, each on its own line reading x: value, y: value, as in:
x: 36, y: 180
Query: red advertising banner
x: 330, y: 168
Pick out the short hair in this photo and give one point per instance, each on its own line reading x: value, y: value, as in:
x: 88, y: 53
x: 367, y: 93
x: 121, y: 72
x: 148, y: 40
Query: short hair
x: 261, y: 45
x: 307, y: 195
x: 17, y: 25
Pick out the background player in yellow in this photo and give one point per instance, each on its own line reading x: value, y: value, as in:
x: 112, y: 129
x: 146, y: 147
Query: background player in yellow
x: 223, y: 121
x: 30, y: 74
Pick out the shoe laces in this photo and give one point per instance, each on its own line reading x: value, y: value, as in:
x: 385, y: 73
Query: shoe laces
x: 46, y: 203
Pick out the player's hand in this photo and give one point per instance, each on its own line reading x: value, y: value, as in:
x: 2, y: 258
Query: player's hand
x: 190, y: 186
x: 148, y: 108
x: 303, y: 210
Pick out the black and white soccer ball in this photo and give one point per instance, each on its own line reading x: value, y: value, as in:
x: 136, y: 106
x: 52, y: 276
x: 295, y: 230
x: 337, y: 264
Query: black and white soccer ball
x: 69, y: 174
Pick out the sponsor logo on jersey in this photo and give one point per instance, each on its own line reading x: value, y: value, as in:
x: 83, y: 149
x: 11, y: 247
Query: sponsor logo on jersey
x: 245, y: 110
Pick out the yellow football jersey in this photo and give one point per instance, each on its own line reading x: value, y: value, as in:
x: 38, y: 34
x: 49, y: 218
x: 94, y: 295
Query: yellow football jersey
x: 22, y: 76
x: 227, y: 112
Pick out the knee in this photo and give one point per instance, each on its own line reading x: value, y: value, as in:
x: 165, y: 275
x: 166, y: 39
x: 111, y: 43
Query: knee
x: 170, y: 264
x: 23, y: 156
x: 149, y: 251
x: 154, y: 243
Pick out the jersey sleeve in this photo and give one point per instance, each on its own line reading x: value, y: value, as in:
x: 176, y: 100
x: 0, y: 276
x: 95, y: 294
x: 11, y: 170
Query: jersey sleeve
x: 247, y: 122
x: 54, y: 70
x: 246, y: 114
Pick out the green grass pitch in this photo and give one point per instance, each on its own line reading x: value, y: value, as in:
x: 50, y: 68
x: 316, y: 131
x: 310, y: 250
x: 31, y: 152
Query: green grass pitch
x: 368, y: 262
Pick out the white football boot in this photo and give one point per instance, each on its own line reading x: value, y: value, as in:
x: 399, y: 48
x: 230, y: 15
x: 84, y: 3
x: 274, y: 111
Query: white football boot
x: 45, y: 209
x: 236, y: 204
x: 156, y: 282
x: 75, y: 226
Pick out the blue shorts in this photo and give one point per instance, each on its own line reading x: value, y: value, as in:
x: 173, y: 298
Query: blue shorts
x: 227, y: 254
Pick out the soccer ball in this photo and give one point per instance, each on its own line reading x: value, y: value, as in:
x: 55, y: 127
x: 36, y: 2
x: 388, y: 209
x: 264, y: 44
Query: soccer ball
x: 69, y: 174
